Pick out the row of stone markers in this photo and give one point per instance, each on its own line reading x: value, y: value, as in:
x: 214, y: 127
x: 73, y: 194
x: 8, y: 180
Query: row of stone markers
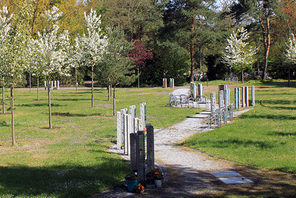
x: 194, y: 98
x: 196, y: 91
x: 127, y: 123
x: 54, y: 84
x: 131, y: 131
x: 165, y: 83
x: 241, y: 97
x: 225, y: 109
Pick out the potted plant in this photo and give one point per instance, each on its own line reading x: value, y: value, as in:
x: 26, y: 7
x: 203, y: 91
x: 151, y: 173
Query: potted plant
x: 158, y: 176
x: 131, y: 181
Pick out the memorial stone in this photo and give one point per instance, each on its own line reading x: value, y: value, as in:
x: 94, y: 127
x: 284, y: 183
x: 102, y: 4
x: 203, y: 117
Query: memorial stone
x: 126, y: 134
x: 45, y: 85
x: 150, y: 147
x: 164, y: 83
x: 133, y: 156
x: 225, y: 105
x: 51, y: 84
x: 213, y: 102
x: 220, y: 97
x: 55, y: 83
x: 200, y: 90
x: 253, y: 96
x: 119, y: 130
x: 140, y: 155
x: 247, y: 96
x: 130, y: 130
x: 58, y: 84
x: 238, y: 97
x: 243, y: 97
x: 235, y: 98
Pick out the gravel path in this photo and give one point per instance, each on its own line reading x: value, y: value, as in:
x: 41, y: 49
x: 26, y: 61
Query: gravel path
x: 189, y: 170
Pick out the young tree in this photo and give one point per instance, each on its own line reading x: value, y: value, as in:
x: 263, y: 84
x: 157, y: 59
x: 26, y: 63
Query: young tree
x: 52, y: 55
x: 93, y: 45
x: 239, y: 55
x: 291, y: 52
x: 116, y: 68
x: 140, y: 55
x: 5, y: 27
x: 13, y: 53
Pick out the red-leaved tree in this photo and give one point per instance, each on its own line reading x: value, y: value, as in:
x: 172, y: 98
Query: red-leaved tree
x: 139, y: 55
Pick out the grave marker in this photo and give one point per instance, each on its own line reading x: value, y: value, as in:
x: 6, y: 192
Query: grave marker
x: 253, y: 95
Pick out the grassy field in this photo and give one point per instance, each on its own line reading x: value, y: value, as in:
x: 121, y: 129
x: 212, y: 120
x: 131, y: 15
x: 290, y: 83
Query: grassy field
x: 70, y: 160
x: 264, y: 137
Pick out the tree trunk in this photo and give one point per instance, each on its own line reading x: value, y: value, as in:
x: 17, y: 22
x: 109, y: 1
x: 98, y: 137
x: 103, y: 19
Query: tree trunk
x: 92, y: 87
x: 192, y: 50
x: 243, y: 76
x: 114, y: 101
x: 289, y: 77
x: 266, y: 39
x: 30, y: 80
x: 76, y: 81
x: 138, y: 77
x: 3, y: 96
x: 49, y: 106
x: 37, y: 88
x: 12, y: 114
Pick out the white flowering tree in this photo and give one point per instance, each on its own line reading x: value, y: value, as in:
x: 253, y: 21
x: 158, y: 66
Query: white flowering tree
x: 13, y: 52
x: 5, y: 27
x: 75, y: 56
x: 239, y: 54
x: 93, y: 45
x: 291, y: 52
x: 52, y: 53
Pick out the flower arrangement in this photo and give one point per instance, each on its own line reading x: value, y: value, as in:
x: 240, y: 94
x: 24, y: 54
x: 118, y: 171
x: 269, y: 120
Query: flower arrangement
x: 139, y: 188
x: 158, y: 174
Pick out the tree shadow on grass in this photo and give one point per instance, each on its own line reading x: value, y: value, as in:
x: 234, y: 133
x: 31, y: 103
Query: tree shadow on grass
x: 277, y: 101
x: 272, y: 117
x: 235, y: 143
x: 39, y: 105
x: 60, y: 181
x: 281, y: 107
x: 279, y: 84
x: 4, y: 124
x: 71, y: 99
x: 283, y: 134
x: 67, y: 114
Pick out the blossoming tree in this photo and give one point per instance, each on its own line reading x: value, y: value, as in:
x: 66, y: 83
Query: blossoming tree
x: 13, y: 52
x: 291, y: 52
x: 5, y: 27
x: 52, y: 51
x: 93, y: 45
x: 239, y: 55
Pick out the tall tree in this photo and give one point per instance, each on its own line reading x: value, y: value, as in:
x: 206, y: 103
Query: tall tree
x: 138, y: 18
x: 258, y: 12
x: 189, y: 19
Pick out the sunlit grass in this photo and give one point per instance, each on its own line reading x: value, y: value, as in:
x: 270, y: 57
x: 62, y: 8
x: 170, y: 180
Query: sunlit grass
x: 265, y: 136
x: 70, y: 160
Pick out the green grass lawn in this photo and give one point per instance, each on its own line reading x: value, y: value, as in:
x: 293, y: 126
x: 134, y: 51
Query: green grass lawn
x: 70, y: 160
x: 264, y: 137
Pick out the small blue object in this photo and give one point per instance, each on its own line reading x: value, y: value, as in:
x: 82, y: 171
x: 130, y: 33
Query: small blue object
x: 131, y: 184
